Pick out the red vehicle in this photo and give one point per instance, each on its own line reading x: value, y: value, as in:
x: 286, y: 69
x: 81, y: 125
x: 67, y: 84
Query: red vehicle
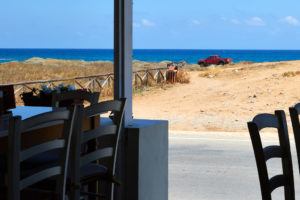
x: 214, y: 60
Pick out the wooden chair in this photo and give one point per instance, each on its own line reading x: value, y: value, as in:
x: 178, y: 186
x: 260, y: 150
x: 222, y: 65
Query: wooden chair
x: 84, y: 169
x: 91, y: 97
x: 263, y: 154
x: 20, y: 179
x: 294, y: 114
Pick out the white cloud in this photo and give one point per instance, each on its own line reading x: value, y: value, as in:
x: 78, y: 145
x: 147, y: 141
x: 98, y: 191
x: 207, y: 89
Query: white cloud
x: 256, y: 21
x: 136, y: 25
x: 235, y: 21
x: 147, y: 22
x: 290, y: 20
x: 194, y: 21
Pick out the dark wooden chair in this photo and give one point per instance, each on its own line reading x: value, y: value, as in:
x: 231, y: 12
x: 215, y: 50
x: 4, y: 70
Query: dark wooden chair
x: 97, y: 165
x: 91, y: 97
x: 294, y: 114
x: 263, y: 154
x: 20, y: 179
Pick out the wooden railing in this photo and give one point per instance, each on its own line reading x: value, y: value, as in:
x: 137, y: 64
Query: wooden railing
x: 96, y: 82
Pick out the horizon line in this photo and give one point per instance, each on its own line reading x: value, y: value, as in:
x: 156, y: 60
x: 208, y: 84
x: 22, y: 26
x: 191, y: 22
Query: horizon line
x: 149, y: 49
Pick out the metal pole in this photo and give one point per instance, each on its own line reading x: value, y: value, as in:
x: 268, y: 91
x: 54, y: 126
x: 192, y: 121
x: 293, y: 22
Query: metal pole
x: 123, y: 54
x: 123, y: 80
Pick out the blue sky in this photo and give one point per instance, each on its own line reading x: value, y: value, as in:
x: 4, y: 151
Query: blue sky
x: 157, y: 24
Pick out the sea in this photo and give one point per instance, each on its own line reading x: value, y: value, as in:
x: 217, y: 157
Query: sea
x: 191, y: 56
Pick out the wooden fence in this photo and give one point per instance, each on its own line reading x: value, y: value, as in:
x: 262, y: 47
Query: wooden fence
x: 96, y: 82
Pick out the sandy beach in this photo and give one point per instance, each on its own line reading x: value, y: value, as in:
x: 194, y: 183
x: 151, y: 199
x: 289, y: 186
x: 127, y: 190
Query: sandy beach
x: 223, y: 98
x: 218, y: 98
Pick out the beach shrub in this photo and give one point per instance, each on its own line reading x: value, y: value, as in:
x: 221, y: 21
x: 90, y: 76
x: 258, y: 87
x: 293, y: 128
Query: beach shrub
x: 193, y: 67
x: 183, y: 77
x: 245, y: 62
x: 289, y: 74
x: 210, y: 72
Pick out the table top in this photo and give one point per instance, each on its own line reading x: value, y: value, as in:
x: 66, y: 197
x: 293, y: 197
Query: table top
x: 25, y: 112
x: 30, y: 111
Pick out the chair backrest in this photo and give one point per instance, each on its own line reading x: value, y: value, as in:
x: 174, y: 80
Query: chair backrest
x: 294, y: 114
x: 263, y: 154
x: 106, y: 135
x: 16, y: 155
x: 91, y: 97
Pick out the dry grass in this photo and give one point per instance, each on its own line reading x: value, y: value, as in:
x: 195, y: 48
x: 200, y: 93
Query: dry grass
x: 245, y: 62
x: 192, y: 67
x: 50, y: 69
x: 45, y: 69
x: 183, y: 77
x: 210, y: 72
x: 289, y: 74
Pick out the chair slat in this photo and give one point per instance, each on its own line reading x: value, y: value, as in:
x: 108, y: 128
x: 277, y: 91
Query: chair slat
x: 103, y: 107
x: 98, y: 132
x: 44, y: 124
x: 277, y: 181
x: 96, y: 155
x: 273, y: 151
x: 47, y: 173
x: 38, y: 120
x: 294, y: 114
x: 266, y: 121
x: 41, y: 148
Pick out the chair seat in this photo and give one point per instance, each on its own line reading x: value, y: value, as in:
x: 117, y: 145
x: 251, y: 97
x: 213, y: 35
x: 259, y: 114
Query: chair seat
x: 39, y: 162
x: 93, y: 170
x: 51, y: 157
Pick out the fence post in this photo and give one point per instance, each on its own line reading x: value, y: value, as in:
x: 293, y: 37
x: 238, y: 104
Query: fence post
x: 165, y: 75
x: 147, y: 79
x: 93, y: 85
x: 158, y: 78
x: 135, y: 80
x: 108, y: 81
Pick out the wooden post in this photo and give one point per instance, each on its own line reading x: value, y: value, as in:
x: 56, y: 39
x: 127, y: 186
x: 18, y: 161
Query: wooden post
x: 135, y: 80
x: 93, y: 85
x: 158, y: 78
x: 108, y: 82
x: 147, y: 79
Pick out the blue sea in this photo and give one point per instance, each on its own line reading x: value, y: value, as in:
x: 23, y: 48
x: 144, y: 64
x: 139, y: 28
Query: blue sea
x: 150, y: 55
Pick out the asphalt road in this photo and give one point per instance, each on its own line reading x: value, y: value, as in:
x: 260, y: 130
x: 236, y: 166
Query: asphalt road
x: 219, y: 166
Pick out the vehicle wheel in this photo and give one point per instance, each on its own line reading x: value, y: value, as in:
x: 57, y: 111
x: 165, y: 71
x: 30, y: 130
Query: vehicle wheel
x: 202, y: 64
x: 221, y: 63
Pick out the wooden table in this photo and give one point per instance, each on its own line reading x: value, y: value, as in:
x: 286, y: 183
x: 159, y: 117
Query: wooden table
x: 43, y: 134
